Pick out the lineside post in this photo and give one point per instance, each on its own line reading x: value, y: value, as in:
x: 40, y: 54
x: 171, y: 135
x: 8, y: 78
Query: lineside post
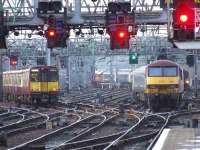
x: 1, y: 34
x: 1, y: 77
x: 195, y: 73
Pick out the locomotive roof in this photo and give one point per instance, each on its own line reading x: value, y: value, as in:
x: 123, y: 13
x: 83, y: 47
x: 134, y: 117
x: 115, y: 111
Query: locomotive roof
x: 28, y: 69
x: 37, y: 67
x: 163, y: 63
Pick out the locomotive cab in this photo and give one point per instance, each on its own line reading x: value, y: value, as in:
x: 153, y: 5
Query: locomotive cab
x: 164, y: 84
x: 44, y: 83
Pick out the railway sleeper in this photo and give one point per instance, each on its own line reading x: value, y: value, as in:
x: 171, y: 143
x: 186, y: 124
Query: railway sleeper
x: 90, y: 130
x: 11, y: 118
x: 3, y: 139
x: 90, y: 124
x: 85, y: 143
x: 25, y: 129
x: 15, y: 125
x: 35, y: 126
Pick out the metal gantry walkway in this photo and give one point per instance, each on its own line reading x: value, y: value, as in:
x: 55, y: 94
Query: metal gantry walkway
x: 24, y: 12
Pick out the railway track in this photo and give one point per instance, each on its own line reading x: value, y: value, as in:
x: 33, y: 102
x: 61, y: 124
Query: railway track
x: 11, y: 117
x: 133, y: 135
x: 147, y: 127
x: 32, y: 126
x: 110, y: 100
x: 68, y: 132
x: 108, y: 95
x: 93, y: 126
x: 108, y: 131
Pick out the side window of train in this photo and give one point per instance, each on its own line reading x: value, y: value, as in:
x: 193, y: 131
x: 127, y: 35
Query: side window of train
x: 180, y: 73
x: 19, y: 79
x: 15, y: 79
x: 11, y: 79
x: 8, y: 79
x: 4, y: 80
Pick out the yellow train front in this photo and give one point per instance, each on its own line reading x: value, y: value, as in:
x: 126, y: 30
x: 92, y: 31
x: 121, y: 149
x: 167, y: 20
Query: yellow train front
x: 44, y: 84
x: 165, y: 84
x: 33, y: 85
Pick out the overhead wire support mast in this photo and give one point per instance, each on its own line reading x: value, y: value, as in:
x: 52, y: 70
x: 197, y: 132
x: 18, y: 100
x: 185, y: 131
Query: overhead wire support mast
x: 195, y: 72
x: 1, y: 36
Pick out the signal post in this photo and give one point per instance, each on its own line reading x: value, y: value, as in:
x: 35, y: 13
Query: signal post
x: 196, y: 73
x: 185, y: 31
x: 2, y: 46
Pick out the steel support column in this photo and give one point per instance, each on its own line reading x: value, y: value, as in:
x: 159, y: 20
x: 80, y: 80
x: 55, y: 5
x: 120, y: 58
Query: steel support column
x: 195, y: 72
x: 1, y: 36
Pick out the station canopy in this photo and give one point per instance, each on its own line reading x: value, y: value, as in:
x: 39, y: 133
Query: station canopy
x: 188, y: 45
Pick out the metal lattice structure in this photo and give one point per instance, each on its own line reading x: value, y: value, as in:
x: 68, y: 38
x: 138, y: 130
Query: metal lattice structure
x: 19, y: 8
x: 28, y: 7
x: 24, y: 12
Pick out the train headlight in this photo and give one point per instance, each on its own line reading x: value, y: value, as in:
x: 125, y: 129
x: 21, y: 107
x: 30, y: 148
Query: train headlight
x: 54, y: 89
x: 187, y: 81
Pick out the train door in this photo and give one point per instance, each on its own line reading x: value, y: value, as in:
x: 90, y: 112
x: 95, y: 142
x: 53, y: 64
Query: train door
x: 181, y: 81
x: 44, y: 80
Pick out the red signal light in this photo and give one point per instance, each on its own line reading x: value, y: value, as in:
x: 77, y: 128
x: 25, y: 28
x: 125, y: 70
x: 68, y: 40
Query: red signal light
x: 183, y: 18
x: 51, y: 33
x: 183, y: 15
x: 13, y: 60
x: 121, y: 34
x: 120, y: 38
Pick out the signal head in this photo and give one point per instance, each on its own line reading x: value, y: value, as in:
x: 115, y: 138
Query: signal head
x: 183, y: 18
x: 13, y: 60
x: 121, y: 34
x: 51, y: 33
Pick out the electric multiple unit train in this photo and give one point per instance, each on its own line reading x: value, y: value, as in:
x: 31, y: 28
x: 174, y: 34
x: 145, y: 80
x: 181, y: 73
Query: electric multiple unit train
x: 160, y: 84
x: 33, y: 85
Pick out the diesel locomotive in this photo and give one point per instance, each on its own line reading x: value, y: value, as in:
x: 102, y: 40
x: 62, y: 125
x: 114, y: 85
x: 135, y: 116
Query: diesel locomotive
x: 33, y: 85
x: 161, y: 84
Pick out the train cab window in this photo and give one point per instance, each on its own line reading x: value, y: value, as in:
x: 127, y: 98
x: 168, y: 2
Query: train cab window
x: 155, y: 71
x: 35, y: 75
x: 53, y: 75
x: 170, y: 71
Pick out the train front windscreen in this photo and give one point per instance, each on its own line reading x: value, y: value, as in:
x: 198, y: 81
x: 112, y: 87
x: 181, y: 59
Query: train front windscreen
x: 44, y: 75
x: 162, y: 71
